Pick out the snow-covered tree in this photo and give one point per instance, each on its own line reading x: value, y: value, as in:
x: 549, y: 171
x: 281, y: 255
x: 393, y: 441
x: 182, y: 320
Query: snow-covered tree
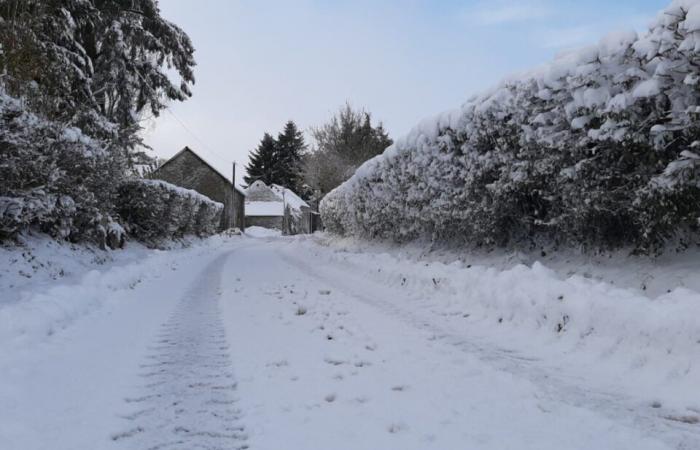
x: 96, y: 64
x: 76, y: 78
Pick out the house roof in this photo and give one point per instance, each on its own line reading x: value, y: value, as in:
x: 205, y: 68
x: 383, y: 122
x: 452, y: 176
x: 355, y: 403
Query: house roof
x: 291, y: 197
x: 206, y: 163
x: 260, y: 192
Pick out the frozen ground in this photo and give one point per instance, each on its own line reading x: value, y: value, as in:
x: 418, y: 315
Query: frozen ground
x: 272, y: 343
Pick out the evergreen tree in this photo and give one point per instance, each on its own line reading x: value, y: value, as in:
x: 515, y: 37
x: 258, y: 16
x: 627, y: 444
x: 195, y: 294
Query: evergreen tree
x: 95, y: 64
x: 290, y: 148
x: 278, y: 161
x: 264, y: 162
x: 76, y: 79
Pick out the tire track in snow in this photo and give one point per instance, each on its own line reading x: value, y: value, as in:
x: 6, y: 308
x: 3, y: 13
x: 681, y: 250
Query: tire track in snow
x: 188, y: 396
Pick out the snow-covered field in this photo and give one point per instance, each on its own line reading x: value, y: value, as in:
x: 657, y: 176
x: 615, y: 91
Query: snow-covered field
x: 268, y: 342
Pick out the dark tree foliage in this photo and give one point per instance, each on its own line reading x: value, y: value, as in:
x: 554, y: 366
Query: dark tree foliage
x: 342, y: 145
x: 264, y: 162
x: 290, y: 149
x: 278, y: 161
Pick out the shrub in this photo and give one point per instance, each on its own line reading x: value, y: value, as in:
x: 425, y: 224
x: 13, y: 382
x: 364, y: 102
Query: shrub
x: 52, y: 178
x: 155, y: 210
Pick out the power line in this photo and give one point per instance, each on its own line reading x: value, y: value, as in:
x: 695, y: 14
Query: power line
x: 182, y: 124
x: 194, y: 135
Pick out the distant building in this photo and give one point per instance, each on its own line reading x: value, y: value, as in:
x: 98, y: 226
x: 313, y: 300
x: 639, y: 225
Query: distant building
x: 189, y: 170
x: 276, y: 207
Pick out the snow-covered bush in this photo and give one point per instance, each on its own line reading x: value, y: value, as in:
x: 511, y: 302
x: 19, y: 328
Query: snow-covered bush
x: 598, y: 148
x: 155, y: 210
x: 76, y: 78
x: 52, y: 178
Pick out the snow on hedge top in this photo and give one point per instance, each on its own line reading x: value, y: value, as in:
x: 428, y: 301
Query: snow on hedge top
x: 554, y: 76
x: 182, y: 191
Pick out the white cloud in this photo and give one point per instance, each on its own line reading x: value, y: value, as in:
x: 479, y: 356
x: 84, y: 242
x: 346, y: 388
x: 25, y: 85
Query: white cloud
x: 499, y: 13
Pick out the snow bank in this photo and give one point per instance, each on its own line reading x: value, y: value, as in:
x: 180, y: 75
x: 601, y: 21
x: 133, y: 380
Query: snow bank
x: 260, y: 232
x: 573, y: 151
x: 576, y: 313
x: 69, y: 282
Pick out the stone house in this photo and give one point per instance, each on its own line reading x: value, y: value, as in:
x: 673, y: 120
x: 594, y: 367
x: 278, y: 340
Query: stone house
x: 275, y: 207
x: 189, y: 170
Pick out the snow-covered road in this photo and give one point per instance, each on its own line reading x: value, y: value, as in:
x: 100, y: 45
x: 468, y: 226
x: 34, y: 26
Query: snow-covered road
x: 276, y: 343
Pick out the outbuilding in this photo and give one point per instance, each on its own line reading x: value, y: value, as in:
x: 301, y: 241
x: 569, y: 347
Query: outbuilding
x: 276, y: 207
x: 189, y: 170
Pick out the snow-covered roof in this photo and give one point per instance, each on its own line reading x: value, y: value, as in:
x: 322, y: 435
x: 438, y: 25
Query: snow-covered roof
x: 266, y: 209
x: 260, y: 192
x: 290, y: 197
x: 207, y: 163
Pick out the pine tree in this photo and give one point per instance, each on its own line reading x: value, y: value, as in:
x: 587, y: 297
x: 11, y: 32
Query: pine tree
x: 87, y: 71
x: 264, y: 162
x: 95, y: 64
x: 290, y: 148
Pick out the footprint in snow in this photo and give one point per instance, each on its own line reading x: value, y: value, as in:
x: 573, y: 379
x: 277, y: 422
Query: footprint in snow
x: 334, y: 361
x: 396, y: 427
x: 687, y: 419
x: 278, y: 364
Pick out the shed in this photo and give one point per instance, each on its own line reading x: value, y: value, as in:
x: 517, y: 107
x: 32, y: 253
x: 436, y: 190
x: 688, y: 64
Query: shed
x: 275, y: 207
x: 189, y: 170
x: 264, y: 208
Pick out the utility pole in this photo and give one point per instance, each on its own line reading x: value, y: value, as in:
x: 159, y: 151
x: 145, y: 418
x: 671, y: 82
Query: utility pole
x: 234, y: 207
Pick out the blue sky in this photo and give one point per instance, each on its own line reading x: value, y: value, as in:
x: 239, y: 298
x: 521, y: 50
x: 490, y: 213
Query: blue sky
x: 261, y: 63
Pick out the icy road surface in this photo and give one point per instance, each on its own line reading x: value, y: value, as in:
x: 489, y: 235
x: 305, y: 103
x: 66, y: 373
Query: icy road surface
x: 274, y: 344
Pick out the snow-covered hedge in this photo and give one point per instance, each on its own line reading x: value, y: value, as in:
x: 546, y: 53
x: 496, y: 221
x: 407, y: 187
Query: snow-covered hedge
x: 155, y: 210
x: 600, y: 148
x: 53, y: 178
